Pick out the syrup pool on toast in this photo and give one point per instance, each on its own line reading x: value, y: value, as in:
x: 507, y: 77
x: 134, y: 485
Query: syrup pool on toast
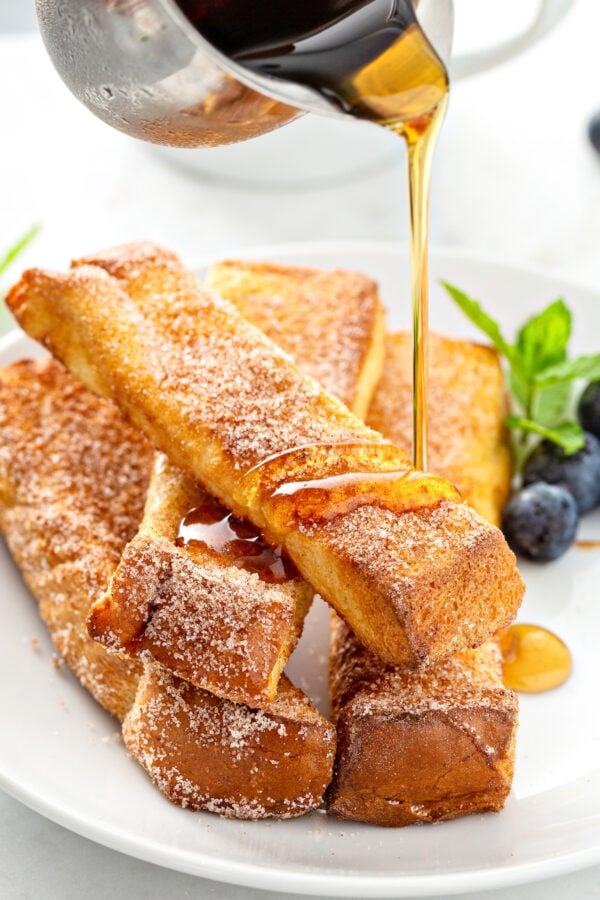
x: 215, y: 528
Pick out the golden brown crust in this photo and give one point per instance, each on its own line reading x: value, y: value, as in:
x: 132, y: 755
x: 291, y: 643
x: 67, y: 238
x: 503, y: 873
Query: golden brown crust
x: 213, y: 625
x: 457, y: 713
x: 218, y: 398
x: 230, y: 755
x: 467, y: 406
x: 72, y: 482
x: 438, y: 743
x: 206, y: 753
x: 419, y: 746
x: 217, y: 626
x: 332, y: 323
x: 73, y: 476
x: 400, y: 564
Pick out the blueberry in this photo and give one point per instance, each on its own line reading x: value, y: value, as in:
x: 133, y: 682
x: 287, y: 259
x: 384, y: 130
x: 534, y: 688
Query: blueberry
x: 540, y: 521
x: 588, y: 410
x: 594, y: 131
x: 578, y: 473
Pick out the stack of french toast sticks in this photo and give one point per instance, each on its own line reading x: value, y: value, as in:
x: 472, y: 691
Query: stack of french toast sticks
x: 194, y: 463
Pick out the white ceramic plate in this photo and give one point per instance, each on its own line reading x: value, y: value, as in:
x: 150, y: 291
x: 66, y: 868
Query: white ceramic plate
x: 58, y: 752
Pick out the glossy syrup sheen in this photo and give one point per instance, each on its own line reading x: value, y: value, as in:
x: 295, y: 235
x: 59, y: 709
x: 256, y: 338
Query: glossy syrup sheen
x: 316, y: 483
x: 376, y: 64
x: 534, y: 659
x: 371, y: 59
x: 368, y: 56
x: 251, y: 26
x: 235, y: 541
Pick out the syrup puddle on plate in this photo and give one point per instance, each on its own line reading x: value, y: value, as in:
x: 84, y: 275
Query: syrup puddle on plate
x: 534, y: 659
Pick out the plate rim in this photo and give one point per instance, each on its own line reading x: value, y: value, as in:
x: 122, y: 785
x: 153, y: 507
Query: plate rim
x: 312, y: 884
x: 384, y: 247
x: 199, y: 863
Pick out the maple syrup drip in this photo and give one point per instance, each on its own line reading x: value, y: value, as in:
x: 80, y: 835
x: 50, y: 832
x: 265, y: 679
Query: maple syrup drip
x: 533, y: 659
x: 374, y: 452
x: 318, y: 482
x: 387, y: 72
x: 212, y: 527
x: 587, y: 545
x: 324, y: 499
x: 420, y: 146
x: 406, y: 89
x: 372, y: 60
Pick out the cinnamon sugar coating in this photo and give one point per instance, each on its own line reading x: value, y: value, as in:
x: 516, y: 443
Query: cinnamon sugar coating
x: 73, y: 476
x: 207, y: 753
x: 467, y: 405
x: 220, y: 627
x: 365, y: 691
x: 419, y: 746
x: 218, y: 398
x: 331, y: 323
x: 301, y: 743
x: 438, y: 743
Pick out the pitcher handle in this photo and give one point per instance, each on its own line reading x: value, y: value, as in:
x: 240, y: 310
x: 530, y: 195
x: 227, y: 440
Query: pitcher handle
x: 549, y: 14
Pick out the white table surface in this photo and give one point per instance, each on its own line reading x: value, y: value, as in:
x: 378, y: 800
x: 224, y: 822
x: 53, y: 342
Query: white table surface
x: 515, y: 181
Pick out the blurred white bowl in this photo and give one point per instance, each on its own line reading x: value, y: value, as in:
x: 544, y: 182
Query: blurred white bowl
x: 309, y: 151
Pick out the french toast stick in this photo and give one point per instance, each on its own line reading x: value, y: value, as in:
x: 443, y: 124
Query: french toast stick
x: 467, y: 407
x: 438, y: 743
x: 331, y: 323
x: 178, y: 601
x: 218, y: 625
x: 421, y: 746
x: 73, y: 476
x: 207, y: 753
x: 416, y: 574
x: 246, y: 777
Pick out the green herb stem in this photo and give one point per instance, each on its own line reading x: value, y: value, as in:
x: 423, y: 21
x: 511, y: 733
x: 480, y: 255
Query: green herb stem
x: 13, y: 252
x: 540, y: 375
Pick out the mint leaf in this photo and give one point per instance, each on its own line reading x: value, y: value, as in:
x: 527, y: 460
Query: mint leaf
x: 569, y: 435
x: 539, y: 374
x: 542, y: 341
x: 17, y: 248
x: 520, y: 393
x: 548, y: 404
x: 472, y: 309
x: 587, y: 367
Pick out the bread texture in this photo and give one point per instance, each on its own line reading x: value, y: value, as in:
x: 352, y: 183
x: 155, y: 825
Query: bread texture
x: 467, y: 406
x: 416, y: 574
x: 73, y: 476
x: 419, y: 746
x: 331, y: 323
x: 219, y: 626
x: 210, y: 622
x: 202, y: 751
x: 206, y: 753
x: 438, y: 743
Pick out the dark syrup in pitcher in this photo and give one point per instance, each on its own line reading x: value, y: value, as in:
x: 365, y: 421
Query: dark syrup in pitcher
x: 371, y: 59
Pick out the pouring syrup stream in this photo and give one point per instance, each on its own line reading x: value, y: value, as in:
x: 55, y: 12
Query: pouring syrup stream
x: 371, y: 59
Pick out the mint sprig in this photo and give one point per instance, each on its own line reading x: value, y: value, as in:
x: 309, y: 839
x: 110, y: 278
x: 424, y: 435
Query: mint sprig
x: 6, y: 261
x: 16, y: 249
x: 567, y: 435
x: 540, y: 374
